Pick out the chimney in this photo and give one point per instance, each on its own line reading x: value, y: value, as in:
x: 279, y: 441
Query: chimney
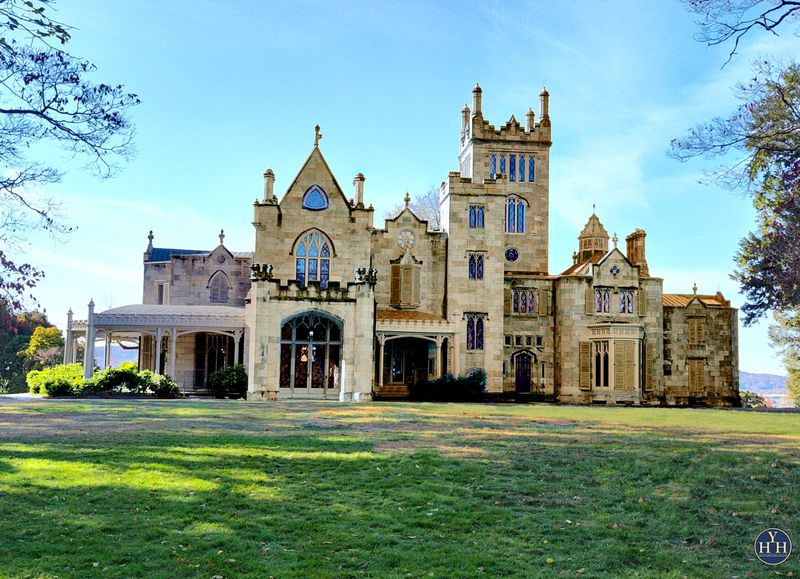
x: 464, y: 117
x: 636, y: 251
x: 269, y: 181
x: 476, y: 100
x: 530, y: 120
x: 544, y: 104
x: 358, y: 185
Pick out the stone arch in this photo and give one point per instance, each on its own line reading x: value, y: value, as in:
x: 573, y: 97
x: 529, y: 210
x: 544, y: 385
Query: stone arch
x: 219, y: 287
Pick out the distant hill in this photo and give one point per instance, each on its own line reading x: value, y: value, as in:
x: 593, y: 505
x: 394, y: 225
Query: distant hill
x: 770, y: 386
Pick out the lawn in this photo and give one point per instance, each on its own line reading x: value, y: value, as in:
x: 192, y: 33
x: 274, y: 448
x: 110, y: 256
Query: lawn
x: 231, y: 489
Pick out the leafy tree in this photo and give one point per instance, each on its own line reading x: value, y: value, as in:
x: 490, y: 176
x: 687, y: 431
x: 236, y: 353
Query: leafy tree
x: 425, y: 206
x: 760, y: 143
x: 784, y: 335
x: 47, y: 97
x: 15, y: 333
x: 45, y: 347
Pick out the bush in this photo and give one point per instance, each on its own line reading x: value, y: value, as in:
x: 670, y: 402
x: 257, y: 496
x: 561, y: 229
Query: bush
x: 164, y: 387
x: 230, y: 381
x: 449, y: 388
x: 61, y: 380
x: 123, y: 378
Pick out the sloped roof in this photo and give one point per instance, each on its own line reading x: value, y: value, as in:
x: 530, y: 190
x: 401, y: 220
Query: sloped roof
x: 593, y: 228
x: 160, y: 254
x: 582, y: 268
x: 682, y: 300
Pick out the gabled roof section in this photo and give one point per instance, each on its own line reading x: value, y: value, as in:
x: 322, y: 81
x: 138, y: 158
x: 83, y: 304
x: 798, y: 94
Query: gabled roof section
x: 406, y: 209
x: 316, y: 157
x: 593, y: 228
x: 612, y: 252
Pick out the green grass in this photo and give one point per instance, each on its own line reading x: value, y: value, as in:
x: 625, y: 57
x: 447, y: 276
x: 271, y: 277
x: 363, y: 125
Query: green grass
x: 202, y: 489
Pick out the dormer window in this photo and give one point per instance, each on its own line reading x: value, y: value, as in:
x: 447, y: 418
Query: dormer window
x: 315, y: 199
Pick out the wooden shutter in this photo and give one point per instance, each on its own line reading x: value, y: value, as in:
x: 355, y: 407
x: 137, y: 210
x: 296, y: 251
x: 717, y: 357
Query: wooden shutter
x: 589, y: 299
x: 649, y: 365
x: 544, y: 302
x: 415, y: 271
x: 624, y: 364
x: 585, y: 366
x: 696, y: 378
x: 406, y: 285
x: 507, y: 301
x: 394, y: 297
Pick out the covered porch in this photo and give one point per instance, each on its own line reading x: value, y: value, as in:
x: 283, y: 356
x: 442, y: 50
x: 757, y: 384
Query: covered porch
x: 186, y: 343
x: 410, y: 347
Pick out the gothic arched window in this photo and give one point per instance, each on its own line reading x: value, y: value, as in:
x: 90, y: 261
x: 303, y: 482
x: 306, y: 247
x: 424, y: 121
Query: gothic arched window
x: 531, y: 168
x: 515, y: 215
x: 315, y: 199
x: 218, y: 288
x: 522, y: 167
x: 313, y: 259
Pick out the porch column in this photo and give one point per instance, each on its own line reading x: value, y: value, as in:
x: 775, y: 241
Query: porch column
x: 173, y: 339
x: 157, y: 353
x: 88, y: 352
x: 107, y: 361
x: 68, y: 341
x: 437, y: 360
x: 237, y: 335
x: 381, y: 341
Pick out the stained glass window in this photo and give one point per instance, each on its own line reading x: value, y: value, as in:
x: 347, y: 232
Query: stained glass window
x: 503, y: 164
x: 470, y: 333
x: 598, y: 300
x: 473, y: 217
x: 493, y: 166
x: 606, y: 301
x: 512, y: 166
x: 511, y: 214
x: 532, y: 301
x: 522, y: 167
x: 315, y: 199
x: 523, y: 303
x: 531, y: 168
x: 512, y: 255
x: 473, y: 269
x: 515, y: 302
x: 479, y: 333
x: 313, y: 261
x: 520, y: 218
x: 479, y: 259
x: 480, y: 216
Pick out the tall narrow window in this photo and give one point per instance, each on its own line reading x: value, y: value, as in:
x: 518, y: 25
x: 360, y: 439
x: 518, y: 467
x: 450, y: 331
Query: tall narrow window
x: 313, y: 259
x: 601, y: 362
x: 515, y: 215
x: 480, y: 216
x: 502, y: 164
x: 626, y: 301
x: 493, y: 166
x: 522, y: 167
x: 475, y: 266
x: 523, y: 302
x: 531, y: 169
x: 475, y: 332
x: 476, y: 216
x: 602, y: 300
x: 512, y: 167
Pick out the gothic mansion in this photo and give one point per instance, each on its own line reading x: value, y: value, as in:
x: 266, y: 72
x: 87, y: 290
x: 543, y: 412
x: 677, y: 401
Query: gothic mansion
x: 331, y: 306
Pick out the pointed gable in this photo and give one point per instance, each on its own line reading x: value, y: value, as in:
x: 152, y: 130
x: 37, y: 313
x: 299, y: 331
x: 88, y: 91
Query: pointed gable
x: 315, y: 185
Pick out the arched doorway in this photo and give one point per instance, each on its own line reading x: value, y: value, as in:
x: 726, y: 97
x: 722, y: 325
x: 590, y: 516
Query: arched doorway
x: 524, y: 365
x: 311, y: 355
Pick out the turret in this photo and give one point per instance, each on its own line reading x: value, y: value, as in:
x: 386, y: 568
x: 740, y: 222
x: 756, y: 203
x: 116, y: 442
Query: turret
x: 544, y: 104
x: 530, y: 120
x: 477, y: 94
x: 593, y: 238
x: 269, y: 183
x: 358, y: 188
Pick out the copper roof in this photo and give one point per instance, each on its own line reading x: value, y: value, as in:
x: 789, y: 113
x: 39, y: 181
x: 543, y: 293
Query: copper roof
x: 574, y: 269
x: 408, y: 316
x: 682, y: 300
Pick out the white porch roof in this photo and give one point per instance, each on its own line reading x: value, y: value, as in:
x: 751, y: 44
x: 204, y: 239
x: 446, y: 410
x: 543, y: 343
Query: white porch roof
x: 161, y: 316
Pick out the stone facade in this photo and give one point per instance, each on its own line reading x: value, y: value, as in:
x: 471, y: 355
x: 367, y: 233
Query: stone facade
x: 335, y: 307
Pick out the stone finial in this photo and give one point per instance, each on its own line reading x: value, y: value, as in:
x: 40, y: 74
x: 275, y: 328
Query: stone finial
x: 407, y: 199
x: 221, y: 236
x: 69, y: 313
x: 150, y: 238
x: 544, y: 104
x: 574, y: 258
x: 317, y: 136
x: 614, y: 239
x: 694, y: 288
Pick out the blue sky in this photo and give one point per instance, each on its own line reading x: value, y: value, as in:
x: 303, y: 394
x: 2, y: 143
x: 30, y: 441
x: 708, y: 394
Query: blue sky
x: 229, y: 89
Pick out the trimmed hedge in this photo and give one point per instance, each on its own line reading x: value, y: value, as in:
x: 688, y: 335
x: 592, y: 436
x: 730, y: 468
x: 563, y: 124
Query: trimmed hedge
x: 68, y: 380
x: 230, y: 381
x: 449, y: 388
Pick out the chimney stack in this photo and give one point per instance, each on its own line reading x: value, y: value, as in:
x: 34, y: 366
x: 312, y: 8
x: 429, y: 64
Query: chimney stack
x: 465, y: 117
x: 269, y: 182
x: 544, y: 104
x: 358, y: 185
x: 636, y: 251
x: 530, y: 120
